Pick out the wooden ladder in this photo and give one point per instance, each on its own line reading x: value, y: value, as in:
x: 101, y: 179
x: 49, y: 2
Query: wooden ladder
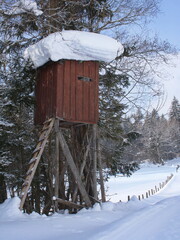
x: 33, y: 163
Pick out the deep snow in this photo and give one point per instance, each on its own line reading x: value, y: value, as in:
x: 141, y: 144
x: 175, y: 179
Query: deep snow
x: 154, y: 218
x: 74, y: 45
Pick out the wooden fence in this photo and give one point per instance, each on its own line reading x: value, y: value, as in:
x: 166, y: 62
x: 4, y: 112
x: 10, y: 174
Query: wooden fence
x: 155, y: 190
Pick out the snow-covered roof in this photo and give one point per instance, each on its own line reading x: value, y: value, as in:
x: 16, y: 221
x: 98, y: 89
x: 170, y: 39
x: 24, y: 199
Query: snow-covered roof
x: 74, y: 45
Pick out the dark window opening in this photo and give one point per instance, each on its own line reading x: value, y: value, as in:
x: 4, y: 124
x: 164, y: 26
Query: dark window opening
x: 86, y: 79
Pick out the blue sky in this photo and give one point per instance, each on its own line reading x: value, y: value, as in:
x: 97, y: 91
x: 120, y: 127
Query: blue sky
x: 167, y: 26
x: 167, y: 23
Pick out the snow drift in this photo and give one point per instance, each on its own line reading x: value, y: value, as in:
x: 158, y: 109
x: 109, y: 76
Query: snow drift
x: 156, y: 217
x: 10, y: 209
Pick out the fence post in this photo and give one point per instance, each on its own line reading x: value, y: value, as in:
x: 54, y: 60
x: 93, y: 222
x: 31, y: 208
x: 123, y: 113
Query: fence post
x: 152, y: 191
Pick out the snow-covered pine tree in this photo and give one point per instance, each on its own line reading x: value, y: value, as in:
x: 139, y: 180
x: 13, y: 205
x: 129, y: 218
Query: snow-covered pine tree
x: 155, y: 143
x: 174, y: 125
x: 174, y: 113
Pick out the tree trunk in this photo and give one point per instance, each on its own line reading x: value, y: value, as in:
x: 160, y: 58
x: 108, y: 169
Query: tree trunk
x: 3, y: 192
x: 53, y: 20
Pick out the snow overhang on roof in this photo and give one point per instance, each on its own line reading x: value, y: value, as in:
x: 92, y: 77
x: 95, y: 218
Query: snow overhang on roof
x: 74, y: 45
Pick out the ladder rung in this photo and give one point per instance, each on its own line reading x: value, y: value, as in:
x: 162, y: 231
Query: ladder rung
x: 42, y: 139
x: 47, y: 124
x: 29, y: 171
x: 48, y: 121
x: 36, y: 150
x: 25, y: 184
x: 44, y: 129
x: 22, y: 194
x: 33, y: 160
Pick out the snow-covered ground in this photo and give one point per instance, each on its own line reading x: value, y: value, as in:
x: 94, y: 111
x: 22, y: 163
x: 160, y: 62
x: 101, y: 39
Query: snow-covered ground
x: 154, y: 218
x: 140, y: 182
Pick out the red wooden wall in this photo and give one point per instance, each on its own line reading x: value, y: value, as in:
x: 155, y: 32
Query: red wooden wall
x: 67, y: 90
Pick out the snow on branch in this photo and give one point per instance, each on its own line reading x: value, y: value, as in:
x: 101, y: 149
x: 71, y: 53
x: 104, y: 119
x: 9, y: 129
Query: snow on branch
x: 24, y: 6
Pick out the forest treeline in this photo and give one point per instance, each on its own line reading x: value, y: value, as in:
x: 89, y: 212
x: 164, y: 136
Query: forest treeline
x: 158, y: 135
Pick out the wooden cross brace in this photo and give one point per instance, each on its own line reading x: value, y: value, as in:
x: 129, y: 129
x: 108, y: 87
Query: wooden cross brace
x: 37, y: 155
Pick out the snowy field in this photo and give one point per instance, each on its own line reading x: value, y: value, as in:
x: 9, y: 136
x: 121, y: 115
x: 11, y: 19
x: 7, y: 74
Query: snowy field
x: 154, y: 218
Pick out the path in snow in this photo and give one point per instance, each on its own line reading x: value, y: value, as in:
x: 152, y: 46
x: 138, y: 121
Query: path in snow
x: 159, y: 220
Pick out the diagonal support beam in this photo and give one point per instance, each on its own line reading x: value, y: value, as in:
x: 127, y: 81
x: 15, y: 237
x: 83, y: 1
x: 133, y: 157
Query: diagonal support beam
x: 73, y: 167
x: 82, y: 167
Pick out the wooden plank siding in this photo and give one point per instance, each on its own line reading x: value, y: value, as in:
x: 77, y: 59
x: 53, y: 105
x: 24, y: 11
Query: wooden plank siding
x: 59, y: 93
x: 86, y: 97
x: 79, y: 92
x: 67, y: 90
x: 73, y: 90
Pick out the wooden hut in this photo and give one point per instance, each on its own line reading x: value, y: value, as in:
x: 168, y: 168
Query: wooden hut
x: 68, y: 90
x: 67, y: 95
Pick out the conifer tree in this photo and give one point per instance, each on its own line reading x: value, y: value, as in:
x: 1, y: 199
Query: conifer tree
x: 174, y: 112
x: 174, y: 125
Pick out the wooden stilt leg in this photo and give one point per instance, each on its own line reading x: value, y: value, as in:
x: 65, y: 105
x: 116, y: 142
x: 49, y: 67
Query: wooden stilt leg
x: 82, y: 167
x: 73, y: 168
x: 95, y: 160
x: 56, y: 188
x: 100, y: 171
